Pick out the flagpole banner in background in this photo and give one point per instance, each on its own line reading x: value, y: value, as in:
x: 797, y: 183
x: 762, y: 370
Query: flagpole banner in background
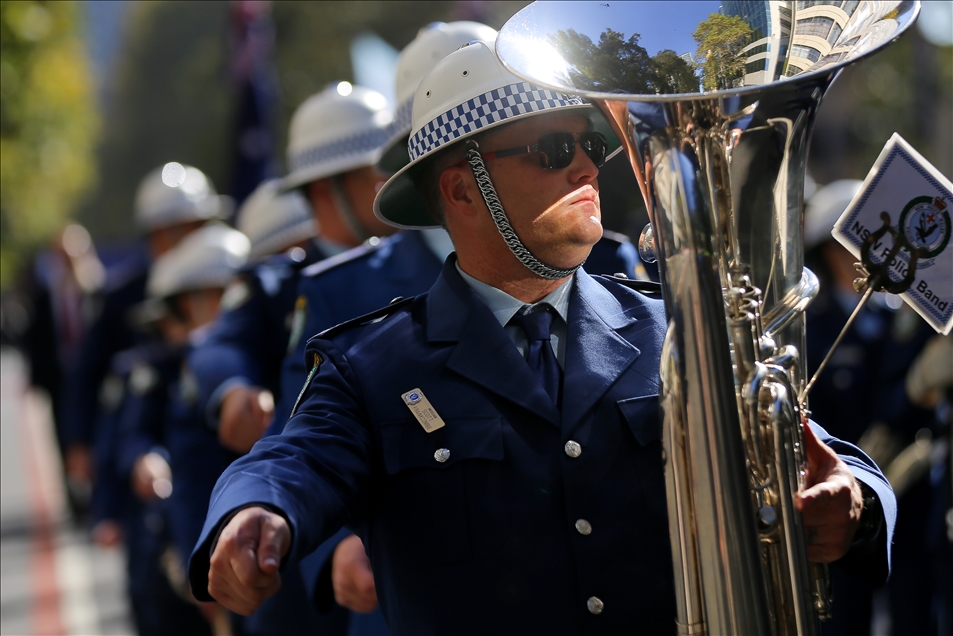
x: 255, y: 81
x: 905, y: 200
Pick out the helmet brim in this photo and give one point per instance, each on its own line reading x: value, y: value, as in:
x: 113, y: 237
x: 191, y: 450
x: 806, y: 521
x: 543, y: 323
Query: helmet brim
x: 325, y: 169
x: 399, y: 202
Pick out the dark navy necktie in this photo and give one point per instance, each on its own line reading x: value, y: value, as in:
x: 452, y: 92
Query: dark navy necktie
x: 540, y: 355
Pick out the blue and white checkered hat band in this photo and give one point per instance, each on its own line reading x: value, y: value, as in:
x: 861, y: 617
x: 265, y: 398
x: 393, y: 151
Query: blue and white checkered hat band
x: 483, y: 110
x: 354, y: 145
x: 403, y: 118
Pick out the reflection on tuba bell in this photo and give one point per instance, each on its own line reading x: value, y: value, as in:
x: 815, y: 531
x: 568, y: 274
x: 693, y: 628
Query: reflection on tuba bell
x: 718, y: 141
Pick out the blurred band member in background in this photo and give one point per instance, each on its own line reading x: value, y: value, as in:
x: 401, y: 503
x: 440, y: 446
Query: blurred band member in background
x: 861, y: 398
x: 335, y: 139
x: 171, y: 201
x: 65, y: 280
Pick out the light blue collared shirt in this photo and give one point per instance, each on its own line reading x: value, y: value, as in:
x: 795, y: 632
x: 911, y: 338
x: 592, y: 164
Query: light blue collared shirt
x: 504, y: 307
x: 438, y: 242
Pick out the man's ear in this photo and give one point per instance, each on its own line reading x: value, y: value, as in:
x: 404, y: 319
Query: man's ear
x: 456, y: 190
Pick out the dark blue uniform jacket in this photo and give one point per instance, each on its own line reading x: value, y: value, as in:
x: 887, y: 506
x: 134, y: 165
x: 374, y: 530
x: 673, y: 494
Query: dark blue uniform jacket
x: 110, y: 333
x: 249, y: 340
x: 484, y: 541
x: 355, y: 283
x: 165, y: 417
x: 367, y: 278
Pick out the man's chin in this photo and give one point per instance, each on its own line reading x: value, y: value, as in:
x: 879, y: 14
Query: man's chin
x: 570, y: 258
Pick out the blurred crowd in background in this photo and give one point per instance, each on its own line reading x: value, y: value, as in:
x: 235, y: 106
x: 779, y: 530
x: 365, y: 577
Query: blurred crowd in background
x: 102, y: 101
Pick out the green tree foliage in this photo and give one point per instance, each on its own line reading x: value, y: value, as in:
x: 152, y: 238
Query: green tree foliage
x: 673, y: 74
x: 720, y: 41
x: 174, y: 101
x: 620, y: 65
x: 48, y: 125
x: 170, y: 102
x: 906, y: 88
x: 614, y: 65
x: 314, y: 37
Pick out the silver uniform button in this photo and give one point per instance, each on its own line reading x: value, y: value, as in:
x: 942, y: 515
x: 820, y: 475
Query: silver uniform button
x: 442, y: 454
x: 583, y: 526
x: 573, y: 449
x: 595, y: 605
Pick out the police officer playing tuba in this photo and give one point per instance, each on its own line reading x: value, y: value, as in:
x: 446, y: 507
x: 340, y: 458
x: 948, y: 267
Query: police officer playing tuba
x: 495, y: 441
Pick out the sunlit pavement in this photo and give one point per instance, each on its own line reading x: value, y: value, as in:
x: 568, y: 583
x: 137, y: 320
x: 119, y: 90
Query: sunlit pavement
x: 53, y: 580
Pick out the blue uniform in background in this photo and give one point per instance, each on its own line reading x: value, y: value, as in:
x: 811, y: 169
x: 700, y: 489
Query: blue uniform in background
x: 250, y: 337
x: 109, y: 334
x: 158, y: 606
x: 863, y: 385
x: 514, y: 516
x: 111, y: 496
x: 246, y: 346
x: 195, y: 456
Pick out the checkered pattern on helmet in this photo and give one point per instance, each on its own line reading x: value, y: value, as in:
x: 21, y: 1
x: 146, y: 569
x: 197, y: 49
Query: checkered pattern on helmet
x: 353, y: 145
x: 481, y: 111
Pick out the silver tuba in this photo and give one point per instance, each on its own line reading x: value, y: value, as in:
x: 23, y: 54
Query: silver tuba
x: 714, y: 103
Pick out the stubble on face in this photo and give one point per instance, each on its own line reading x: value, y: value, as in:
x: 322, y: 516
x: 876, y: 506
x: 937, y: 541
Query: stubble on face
x: 555, y: 213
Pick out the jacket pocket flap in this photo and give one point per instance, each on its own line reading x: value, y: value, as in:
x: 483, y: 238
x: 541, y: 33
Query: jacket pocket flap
x: 406, y: 445
x: 642, y: 416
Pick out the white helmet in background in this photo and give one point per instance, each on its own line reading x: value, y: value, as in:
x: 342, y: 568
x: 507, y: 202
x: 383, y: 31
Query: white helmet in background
x: 824, y: 208
x: 342, y: 128
x: 207, y: 258
x: 434, y: 42
x: 174, y: 194
x: 273, y: 221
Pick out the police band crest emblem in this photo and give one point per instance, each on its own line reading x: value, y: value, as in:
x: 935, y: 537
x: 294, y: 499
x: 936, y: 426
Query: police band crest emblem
x: 925, y: 222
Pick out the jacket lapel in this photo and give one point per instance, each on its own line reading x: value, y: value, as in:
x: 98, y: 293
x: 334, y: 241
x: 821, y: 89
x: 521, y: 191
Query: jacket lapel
x: 484, y: 354
x: 596, y: 354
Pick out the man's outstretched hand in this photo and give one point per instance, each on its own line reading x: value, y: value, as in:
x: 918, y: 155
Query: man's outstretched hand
x: 244, y: 417
x: 831, y: 503
x: 243, y: 570
x: 352, y: 577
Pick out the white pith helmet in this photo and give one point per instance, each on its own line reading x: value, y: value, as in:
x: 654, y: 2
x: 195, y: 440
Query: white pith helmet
x: 175, y: 193
x: 273, y: 221
x: 342, y: 128
x: 468, y: 92
x: 207, y: 258
x: 434, y: 42
x: 824, y: 208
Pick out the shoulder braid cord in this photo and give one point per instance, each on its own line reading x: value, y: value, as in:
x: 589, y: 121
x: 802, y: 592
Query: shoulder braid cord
x: 503, y: 223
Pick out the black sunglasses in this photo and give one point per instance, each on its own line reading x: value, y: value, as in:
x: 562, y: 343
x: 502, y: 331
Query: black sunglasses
x: 556, y: 150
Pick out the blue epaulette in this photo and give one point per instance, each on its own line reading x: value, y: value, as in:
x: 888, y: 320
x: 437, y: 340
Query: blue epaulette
x: 275, y: 261
x: 367, y: 319
x: 331, y: 262
x: 152, y: 352
x: 643, y: 286
x: 615, y: 237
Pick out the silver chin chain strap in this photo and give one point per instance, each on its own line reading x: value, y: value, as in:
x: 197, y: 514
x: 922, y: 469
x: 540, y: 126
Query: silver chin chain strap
x: 345, y: 210
x: 503, y: 223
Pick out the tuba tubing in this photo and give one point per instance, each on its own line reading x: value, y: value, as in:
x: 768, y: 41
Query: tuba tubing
x: 731, y: 421
x: 720, y: 161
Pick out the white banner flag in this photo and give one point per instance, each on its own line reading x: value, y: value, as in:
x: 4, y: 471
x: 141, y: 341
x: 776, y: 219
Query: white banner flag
x: 902, y: 214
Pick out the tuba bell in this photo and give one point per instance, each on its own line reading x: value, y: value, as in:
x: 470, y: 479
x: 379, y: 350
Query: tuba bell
x: 714, y: 104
